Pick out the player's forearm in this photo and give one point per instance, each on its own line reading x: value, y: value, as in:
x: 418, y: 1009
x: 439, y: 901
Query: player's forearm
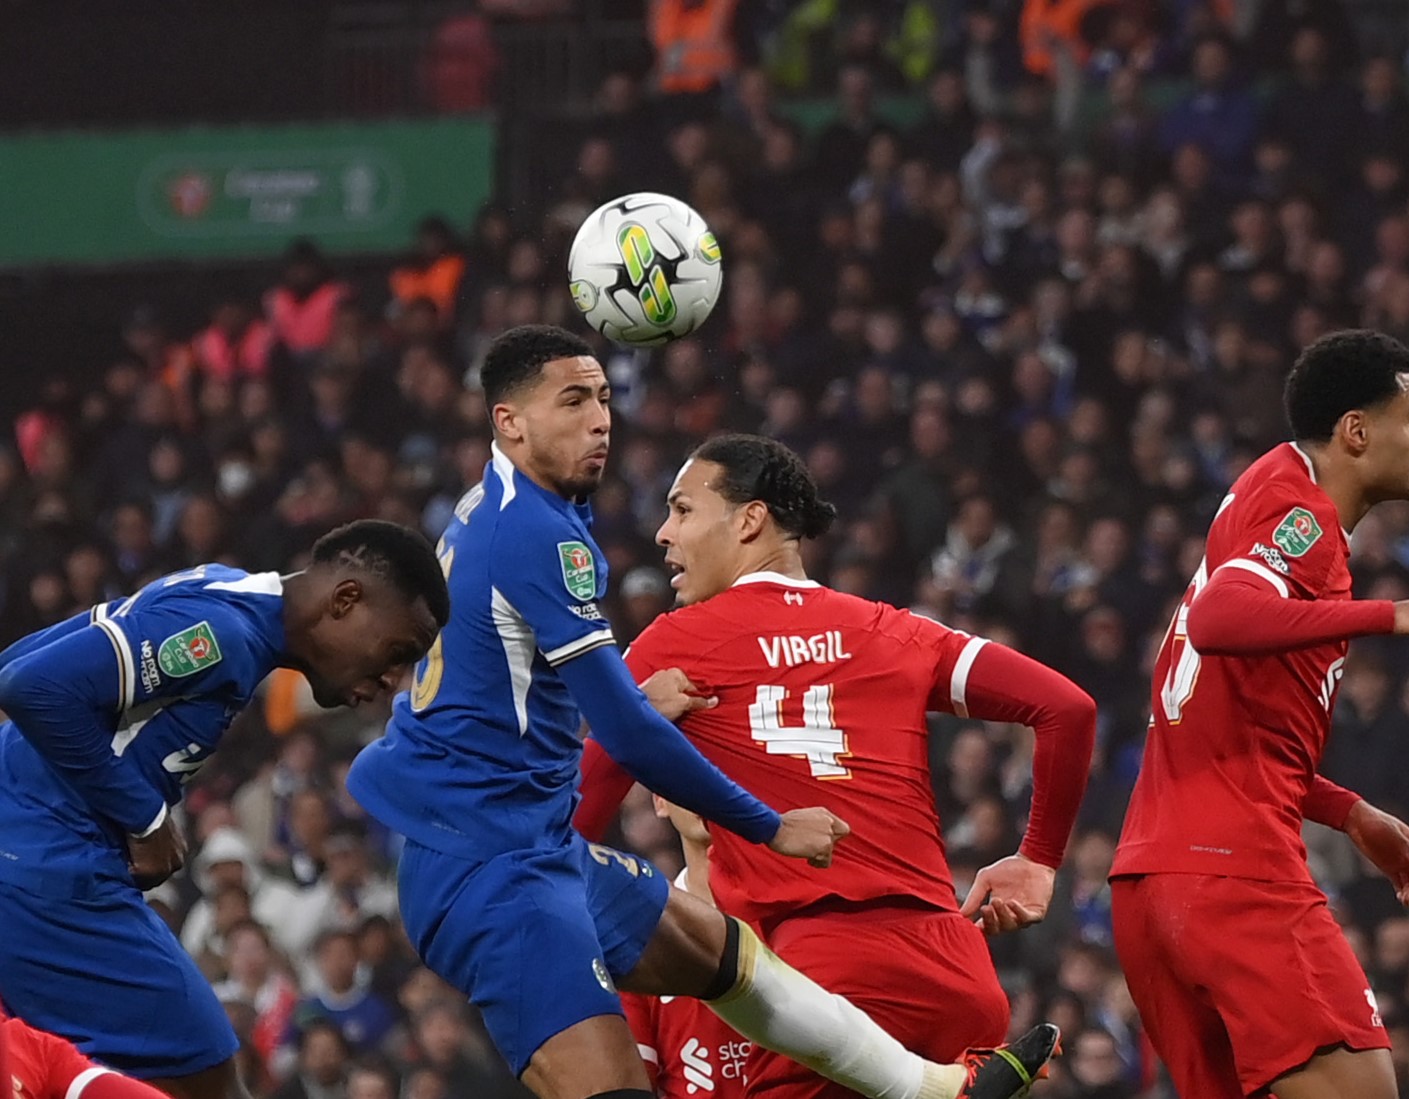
x: 1004, y: 685
x: 655, y: 752
x: 63, y: 715
x: 1239, y: 614
x: 604, y: 785
x: 1328, y: 804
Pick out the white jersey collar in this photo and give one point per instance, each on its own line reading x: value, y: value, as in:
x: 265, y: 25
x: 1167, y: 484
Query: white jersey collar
x: 774, y: 578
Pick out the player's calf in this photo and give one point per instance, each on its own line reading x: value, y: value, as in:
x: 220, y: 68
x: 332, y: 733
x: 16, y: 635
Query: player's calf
x: 594, y: 1059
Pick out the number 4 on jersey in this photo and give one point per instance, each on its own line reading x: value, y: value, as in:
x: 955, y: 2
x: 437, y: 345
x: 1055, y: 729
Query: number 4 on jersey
x: 816, y: 740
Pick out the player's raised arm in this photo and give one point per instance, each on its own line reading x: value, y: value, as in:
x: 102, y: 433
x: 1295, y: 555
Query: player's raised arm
x: 656, y: 753
x: 1268, y: 597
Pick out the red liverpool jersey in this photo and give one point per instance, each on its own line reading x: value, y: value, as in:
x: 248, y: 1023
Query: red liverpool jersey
x: 40, y: 1065
x: 822, y: 701
x: 690, y: 1052
x: 1235, y: 739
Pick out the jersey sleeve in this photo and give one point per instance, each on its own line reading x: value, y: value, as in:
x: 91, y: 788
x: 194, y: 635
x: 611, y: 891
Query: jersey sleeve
x: 605, y: 783
x: 974, y: 677
x: 1278, y: 553
x: 1290, y: 541
x: 951, y: 655
x: 176, y: 648
x: 63, y: 699
x: 551, y: 579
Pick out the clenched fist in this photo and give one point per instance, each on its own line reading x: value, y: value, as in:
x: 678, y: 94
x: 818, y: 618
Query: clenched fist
x: 810, y: 834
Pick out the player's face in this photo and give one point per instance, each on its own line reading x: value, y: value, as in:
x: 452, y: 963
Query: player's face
x: 565, y: 422
x: 368, y: 639
x: 1389, y: 444
x: 700, y: 536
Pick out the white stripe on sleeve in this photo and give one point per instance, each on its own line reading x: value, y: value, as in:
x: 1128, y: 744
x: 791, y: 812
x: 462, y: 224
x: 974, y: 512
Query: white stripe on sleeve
x: 84, y: 1078
x: 127, y: 673
x: 564, y: 653
x: 959, y: 682
x: 1257, y: 569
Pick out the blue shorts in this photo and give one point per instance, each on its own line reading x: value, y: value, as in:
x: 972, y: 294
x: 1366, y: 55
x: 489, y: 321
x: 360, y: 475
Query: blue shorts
x: 534, y: 938
x: 110, y: 976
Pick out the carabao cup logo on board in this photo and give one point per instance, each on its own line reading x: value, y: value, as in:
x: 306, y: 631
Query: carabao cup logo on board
x: 189, y: 194
x: 579, y: 569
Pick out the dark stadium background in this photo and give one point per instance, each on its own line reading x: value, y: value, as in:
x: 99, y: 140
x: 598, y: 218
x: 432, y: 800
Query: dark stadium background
x: 1025, y: 342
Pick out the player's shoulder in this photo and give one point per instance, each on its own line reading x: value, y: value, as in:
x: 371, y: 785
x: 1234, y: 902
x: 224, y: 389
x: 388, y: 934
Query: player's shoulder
x: 1281, y: 487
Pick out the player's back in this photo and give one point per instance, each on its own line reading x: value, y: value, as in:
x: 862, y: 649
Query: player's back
x: 1234, y: 741
x: 822, y: 701
x: 481, y: 755
x: 187, y: 652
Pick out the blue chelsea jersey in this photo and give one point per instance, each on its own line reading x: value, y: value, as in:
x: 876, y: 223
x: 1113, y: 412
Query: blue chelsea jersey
x: 155, y: 680
x: 481, y: 755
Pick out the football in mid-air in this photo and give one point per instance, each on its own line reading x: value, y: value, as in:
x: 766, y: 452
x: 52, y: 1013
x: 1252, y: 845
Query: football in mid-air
x: 644, y: 269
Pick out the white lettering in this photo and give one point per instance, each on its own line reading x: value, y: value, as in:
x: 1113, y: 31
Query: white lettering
x: 795, y: 650
x: 772, y: 650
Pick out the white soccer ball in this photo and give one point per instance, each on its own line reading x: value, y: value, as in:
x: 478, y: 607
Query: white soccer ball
x: 644, y: 269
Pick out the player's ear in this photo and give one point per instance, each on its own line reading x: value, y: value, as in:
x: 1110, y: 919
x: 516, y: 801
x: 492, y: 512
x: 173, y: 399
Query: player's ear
x: 347, y: 593
x: 751, y: 520
x: 1353, y: 429
x: 505, y: 418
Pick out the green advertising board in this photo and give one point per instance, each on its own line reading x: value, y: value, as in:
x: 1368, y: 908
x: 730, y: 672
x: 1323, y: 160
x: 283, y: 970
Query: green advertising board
x: 235, y: 192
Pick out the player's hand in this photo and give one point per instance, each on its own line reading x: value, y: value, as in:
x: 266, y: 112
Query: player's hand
x: 810, y: 834
x: 1401, y: 616
x: 1009, y: 894
x: 154, y: 859
x: 1384, y: 840
x: 672, y: 695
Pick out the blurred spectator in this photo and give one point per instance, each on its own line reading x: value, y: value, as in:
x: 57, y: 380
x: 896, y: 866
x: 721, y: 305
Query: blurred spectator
x: 1219, y: 116
x: 322, y: 1064
x: 342, y: 995
x: 226, y: 860
x: 432, y: 271
x: 302, y: 306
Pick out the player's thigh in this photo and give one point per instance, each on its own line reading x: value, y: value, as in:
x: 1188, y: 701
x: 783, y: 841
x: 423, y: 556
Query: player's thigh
x: 588, y: 1058
x: 926, y: 978
x: 1182, y: 1021
x: 1341, y: 1074
x: 515, y: 935
x: 1283, y: 978
x: 111, y: 977
x: 657, y: 939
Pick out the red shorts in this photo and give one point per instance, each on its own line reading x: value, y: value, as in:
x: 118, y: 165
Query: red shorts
x: 924, y: 976
x: 1239, y: 981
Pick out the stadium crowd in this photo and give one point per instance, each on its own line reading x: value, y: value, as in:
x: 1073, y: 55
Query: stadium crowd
x: 1024, y: 341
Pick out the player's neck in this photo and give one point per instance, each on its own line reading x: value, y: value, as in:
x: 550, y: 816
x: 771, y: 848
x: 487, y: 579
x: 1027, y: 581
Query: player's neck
x: 784, y: 560
x: 1336, y: 477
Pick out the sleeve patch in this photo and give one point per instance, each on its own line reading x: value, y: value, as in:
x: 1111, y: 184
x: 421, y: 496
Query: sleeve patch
x: 1297, y: 533
x: 190, y: 651
x: 579, y: 570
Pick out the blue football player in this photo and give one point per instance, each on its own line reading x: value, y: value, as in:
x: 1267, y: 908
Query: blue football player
x: 479, y: 770
x: 110, y: 713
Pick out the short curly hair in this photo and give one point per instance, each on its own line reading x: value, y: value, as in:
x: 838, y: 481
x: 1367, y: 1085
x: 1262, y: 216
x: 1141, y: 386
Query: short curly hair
x: 1339, y: 373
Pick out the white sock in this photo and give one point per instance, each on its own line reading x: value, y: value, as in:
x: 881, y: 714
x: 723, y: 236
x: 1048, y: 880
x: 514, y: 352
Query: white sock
x: 780, y: 1009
